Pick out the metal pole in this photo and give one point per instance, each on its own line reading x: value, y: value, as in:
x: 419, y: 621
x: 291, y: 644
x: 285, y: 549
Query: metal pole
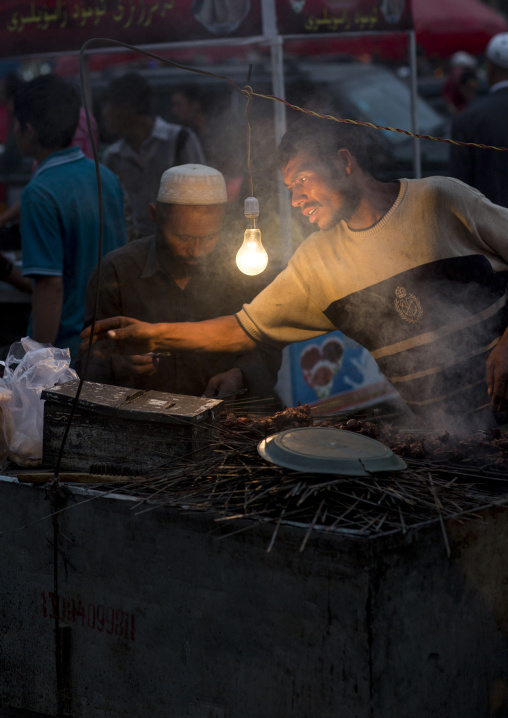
x: 284, y: 384
x: 417, y: 158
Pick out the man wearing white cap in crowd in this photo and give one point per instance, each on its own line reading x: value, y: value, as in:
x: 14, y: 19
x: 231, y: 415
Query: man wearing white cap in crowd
x: 484, y: 122
x: 182, y: 273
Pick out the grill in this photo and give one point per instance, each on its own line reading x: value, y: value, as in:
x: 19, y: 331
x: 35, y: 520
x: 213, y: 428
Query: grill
x: 233, y: 483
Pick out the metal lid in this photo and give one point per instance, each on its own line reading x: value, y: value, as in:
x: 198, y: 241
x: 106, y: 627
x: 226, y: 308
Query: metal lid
x: 326, y: 450
x: 137, y: 404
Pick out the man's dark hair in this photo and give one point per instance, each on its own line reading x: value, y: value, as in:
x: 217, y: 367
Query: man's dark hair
x: 132, y: 90
x: 190, y: 90
x: 323, y: 139
x: 13, y: 85
x: 51, y: 106
x: 467, y: 75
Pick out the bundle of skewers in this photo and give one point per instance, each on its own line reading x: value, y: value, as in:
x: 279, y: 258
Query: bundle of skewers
x: 231, y: 482
x: 446, y: 478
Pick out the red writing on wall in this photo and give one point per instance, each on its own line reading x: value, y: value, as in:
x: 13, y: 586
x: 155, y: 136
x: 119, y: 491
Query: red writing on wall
x: 95, y: 616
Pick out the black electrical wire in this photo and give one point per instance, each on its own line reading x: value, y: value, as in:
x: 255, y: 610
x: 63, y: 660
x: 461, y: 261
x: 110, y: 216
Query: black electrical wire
x: 86, y: 94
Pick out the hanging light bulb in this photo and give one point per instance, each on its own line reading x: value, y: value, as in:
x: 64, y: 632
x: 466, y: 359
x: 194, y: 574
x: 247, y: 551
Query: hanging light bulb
x: 251, y: 258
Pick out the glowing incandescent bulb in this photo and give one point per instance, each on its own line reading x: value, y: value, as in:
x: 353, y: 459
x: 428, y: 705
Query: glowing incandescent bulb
x: 251, y: 258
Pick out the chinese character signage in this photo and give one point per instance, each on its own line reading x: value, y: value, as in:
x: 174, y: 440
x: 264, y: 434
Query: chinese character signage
x: 65, y: 25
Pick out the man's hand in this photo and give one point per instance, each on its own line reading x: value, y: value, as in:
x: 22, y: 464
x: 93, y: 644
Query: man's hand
x: 497, y: 374
x: 121, y: 335
x: 228, y: 382
x: 124, y: 335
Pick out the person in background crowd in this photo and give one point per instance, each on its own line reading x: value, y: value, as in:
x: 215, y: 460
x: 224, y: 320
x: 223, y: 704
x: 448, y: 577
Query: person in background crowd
x: 148, y: 145
x: 60, y: 212
x: 180, y: 274
x: 187, y: 109
x: 460, y: 89
x: 10, y: 274
x: 221, y: 134
x: 14, y: 316
x: 463, y: 59
x: 11, y: 161
x: 485, y: 123
x: 81, y: 139
x: 414, y: 270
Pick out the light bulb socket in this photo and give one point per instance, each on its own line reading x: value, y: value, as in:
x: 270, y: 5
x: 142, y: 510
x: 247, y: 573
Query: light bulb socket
x: 251, y: 207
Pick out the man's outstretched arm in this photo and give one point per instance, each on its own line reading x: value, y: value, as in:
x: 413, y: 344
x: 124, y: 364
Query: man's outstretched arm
x: 130, y: 336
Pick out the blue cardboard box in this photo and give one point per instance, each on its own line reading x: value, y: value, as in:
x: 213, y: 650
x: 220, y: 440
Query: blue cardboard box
x: 334, y: 373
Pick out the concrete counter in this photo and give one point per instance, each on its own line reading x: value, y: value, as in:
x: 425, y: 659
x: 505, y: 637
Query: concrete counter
x: 166, y: 614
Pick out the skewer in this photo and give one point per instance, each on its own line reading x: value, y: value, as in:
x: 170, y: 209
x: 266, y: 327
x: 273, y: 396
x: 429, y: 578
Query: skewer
x: 229, y: 481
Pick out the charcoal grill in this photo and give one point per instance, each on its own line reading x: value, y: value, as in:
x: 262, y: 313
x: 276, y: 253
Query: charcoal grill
x: 232, y: 482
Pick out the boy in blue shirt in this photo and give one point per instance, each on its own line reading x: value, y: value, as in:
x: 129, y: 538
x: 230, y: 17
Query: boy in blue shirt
x: 60, y: 211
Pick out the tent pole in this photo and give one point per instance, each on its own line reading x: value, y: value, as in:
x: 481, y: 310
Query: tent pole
x: 417, y: 159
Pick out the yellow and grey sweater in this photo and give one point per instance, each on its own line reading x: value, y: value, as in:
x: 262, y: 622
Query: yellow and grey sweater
x: 423, y: 290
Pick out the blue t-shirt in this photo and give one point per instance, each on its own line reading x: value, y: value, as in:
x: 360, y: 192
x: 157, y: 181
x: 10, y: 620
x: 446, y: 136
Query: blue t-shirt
x: 60, y: 230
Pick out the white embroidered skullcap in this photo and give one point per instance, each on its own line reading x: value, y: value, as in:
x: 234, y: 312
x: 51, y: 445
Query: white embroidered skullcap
x: 497, y: 50
x: 192, y: 184
x: 463, y: 59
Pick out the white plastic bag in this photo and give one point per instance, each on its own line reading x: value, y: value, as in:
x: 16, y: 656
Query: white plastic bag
x: 30, y: 367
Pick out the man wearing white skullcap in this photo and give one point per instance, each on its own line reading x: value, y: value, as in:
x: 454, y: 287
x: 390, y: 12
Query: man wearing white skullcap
x: 192, y: 184
x: 484, y: 122
x: 180, y: 274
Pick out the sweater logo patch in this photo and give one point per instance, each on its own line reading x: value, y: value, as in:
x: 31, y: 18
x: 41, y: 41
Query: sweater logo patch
x: 408, y: 306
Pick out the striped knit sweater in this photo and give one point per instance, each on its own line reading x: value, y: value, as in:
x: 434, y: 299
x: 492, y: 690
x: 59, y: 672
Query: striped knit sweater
x: 423, y: 290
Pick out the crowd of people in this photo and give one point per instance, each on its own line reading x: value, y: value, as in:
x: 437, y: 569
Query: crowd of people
x: 483, y: 122
x: 162, y: 220
x: 414, y: 270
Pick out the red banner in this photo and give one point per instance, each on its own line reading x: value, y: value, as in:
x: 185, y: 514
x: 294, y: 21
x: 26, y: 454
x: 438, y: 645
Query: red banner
x: 338, y: 16
x: 65, y: 25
